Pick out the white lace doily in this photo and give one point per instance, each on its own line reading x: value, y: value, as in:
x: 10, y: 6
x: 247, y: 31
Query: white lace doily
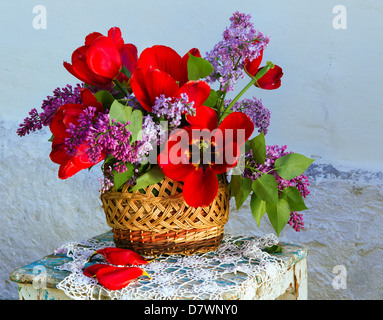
x: 238, y: 269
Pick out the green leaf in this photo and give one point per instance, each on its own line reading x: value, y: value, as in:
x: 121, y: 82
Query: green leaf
x: 119, y: 113
x: 258, y: 208
x: 247, y: 146
x: 123, y: 114
x: 279, y: 214
x: 198, y: 68
x: 235, y: 184
x: 274, y: 249
x: 211, y: 101
x: 105, y: 97
x: 258, y: 146
x: 292, y: 165
x: 126, y: 72
x: 266, y: 188
x: 294, y: 199
x: 121, y: 177
x: 135, y: 126
x: 153, y: 176
x: 243, y: 192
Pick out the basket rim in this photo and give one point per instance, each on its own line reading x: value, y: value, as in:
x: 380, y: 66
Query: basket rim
x: 139, y: 212
x: 137, y: 195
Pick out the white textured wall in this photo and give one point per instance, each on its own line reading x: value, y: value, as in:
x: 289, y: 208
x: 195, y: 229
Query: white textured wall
x: 328, y: 107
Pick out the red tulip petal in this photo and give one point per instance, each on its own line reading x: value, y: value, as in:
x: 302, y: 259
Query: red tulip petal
x: 69, y: 68
x: 148, y: 85
x: 197, y: 91
x: 251, y: 66
x: 81, y: 70
x: 163, y: 58
x: 103, y: 58
x: 272, y: 79
x: 81, y: 160
x: 93, y: 269
x: 67, y: 170
x: 118, y: 278
x: 57, y: 126
x: 71, y: 115
x: 226, y: 158
x: 120, y: 256
x: 129, y: 56
x: 137, y: 83
x: 177, y: 172
x: 236, y: 127
x: 90, y: 38
x: 66, y: 114
x: 115, y: 34
x: 200, y: 188
x: 174, y: 159
x: 205, y: 117
x: 58, y: 154
x: 159, y: 82
x: 89, y: 100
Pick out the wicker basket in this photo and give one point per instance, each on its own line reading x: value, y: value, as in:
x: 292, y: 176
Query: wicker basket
x: 159, y: 221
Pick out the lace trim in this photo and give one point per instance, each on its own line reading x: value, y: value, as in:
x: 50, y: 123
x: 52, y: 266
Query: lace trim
x: 238, y: 269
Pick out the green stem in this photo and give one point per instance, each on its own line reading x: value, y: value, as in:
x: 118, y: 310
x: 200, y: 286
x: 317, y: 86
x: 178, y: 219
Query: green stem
x: 259, y: 75
x: 254, y: 170
x: 220, y: 106
x: 120, y: 87
x: 270, y: 170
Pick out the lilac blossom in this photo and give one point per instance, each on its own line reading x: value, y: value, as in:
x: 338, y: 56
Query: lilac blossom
x: 113, y: 139
x: 240, y: 42
x: 153, y: 134
x: 254, y: 108
x: 60, y: 96
x: 301, y: 182
x: 173, y: 109
x: 101, y: 137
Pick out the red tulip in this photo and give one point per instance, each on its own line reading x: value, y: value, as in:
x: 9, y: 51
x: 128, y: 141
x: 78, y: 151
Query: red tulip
x: 168, y: 60
x: 100, y: 60
x: 121, y: 257
x: 65, y: 115
x: 271, y: 80
x: 160, y: 70
x: 195, y: 154
x: 129, y: 59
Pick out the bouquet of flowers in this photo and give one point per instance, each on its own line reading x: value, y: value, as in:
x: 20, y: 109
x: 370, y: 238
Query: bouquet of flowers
x: 156, y: 114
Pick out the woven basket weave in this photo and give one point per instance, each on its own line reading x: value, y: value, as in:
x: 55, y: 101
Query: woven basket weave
x: 158, y: 221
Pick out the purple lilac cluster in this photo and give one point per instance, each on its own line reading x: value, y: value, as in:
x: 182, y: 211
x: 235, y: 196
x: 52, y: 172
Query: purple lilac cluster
x: 172, y: 109
x: 301, y: 182
x: 102, y: 137
x: 254, y: 108
x: 60, y: 96
x: 81, y: 132
x: 153, y: 134
x: 107, y: 181
x: 240, y: 42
